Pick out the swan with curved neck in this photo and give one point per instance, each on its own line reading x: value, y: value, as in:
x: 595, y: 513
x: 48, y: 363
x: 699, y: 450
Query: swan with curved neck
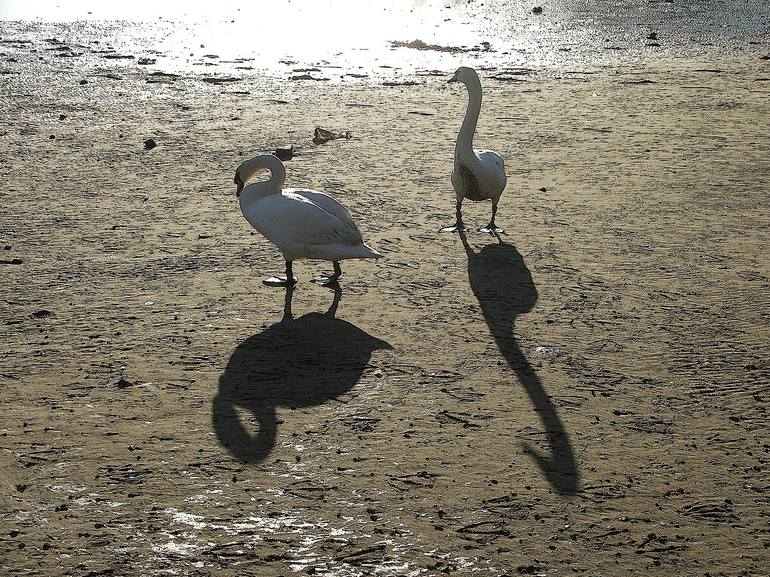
x: 302, y: 223
x: 477, y: 174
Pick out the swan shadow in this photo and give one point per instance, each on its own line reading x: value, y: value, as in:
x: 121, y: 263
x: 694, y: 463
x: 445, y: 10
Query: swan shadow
x: 504, y: 288
x: 294, y: 363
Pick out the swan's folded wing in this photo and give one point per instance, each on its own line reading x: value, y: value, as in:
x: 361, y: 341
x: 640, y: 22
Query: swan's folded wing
x: 328, y: 203
x: 296, y: 218
x: 491, y: 157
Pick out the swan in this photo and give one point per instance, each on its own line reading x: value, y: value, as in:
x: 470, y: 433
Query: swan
x: 477, y: 174
x: 302, y: 223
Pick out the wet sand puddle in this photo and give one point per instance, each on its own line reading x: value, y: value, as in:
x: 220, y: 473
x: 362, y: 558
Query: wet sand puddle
x: 320, y: 547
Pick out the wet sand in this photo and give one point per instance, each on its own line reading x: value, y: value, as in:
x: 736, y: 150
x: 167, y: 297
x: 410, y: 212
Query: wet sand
x: 587, y: 396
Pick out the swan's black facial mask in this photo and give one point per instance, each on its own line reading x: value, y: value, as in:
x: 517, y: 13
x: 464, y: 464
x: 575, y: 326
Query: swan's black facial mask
x: 238, y: 184
x: 453, y: 79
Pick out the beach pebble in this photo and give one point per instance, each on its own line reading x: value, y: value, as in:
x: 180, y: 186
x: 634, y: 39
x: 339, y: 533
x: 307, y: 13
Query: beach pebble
x: 41, y: 314
x: 62, y: 116
x: 120, y: 382
x: 149, y: 144
x: 537, y: 10
x: 285, y: 152
x: 652, y: 36
x: 82, y: 82
x: 306, y: 77
x: 543, y: 189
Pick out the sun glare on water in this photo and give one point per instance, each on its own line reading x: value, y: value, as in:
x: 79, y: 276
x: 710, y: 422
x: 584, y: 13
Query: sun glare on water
x: 305, y: 31
x: 291, y: 23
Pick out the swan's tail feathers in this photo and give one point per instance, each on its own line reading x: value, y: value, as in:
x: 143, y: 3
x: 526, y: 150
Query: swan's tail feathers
x: 369, y: 252
x: 343, y: 251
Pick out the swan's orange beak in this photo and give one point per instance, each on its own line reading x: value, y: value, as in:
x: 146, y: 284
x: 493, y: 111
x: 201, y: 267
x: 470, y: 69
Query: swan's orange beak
x: 238, y: 185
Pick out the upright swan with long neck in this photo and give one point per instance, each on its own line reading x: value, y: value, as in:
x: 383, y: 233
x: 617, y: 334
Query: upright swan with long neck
x: 477, y: 174
x: 302, y: 223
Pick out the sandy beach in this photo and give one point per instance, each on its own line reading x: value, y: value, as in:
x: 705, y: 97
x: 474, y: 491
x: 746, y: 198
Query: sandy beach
x: 587, y: 395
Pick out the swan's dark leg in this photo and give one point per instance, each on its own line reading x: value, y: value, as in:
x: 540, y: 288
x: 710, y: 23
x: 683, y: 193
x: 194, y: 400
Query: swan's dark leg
x: 337, y: 271
x: 492, y: 228
x: 287, y: 280
x: 458, y: 226
x: 329, y: 279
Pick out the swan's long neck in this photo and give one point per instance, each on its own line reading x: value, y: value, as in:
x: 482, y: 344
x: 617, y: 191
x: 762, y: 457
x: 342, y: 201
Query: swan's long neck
x: 267, y: 161
x: 465, y: 137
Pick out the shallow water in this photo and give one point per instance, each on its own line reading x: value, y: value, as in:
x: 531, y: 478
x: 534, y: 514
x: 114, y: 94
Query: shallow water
x: 366, y: 39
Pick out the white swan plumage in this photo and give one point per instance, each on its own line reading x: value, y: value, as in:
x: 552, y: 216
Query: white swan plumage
x: 302, y: 223
x: 477, y: 174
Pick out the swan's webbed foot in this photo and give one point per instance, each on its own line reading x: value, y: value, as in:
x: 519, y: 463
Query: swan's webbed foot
x: 325, y: 280
x: 329, y: 280
x: 457, y: 227
x: 280, y: 280
x: 492, y: 228
x: 286, y: 280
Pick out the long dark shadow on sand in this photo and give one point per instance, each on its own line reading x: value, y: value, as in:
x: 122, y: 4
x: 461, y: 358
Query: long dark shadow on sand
x: 504, y: 288
x: 293, y: 363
